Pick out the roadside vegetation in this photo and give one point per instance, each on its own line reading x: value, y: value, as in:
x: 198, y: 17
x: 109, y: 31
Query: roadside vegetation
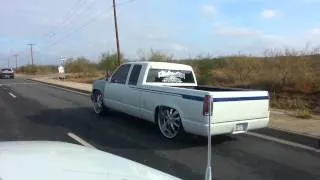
x: 291, y: 77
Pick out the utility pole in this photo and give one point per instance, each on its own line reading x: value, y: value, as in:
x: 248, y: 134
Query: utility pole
x: 16, y: 56
x: 116, y: 29
x: 31, y: 53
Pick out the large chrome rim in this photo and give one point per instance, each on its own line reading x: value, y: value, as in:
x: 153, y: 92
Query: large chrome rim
x: 97, y: 103
x: 169, y: 122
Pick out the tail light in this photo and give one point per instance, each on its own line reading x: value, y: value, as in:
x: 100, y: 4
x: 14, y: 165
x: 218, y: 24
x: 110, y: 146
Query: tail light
x: 206, y: 105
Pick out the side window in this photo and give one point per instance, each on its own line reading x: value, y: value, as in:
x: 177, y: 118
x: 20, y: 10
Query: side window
x: 120, y: 76
x: 135, y: 74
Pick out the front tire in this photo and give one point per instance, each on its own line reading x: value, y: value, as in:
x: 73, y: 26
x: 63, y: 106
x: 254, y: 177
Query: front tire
x: 97, y: 101
x: 169, y: 122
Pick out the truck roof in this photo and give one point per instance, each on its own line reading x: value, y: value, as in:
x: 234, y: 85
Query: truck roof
x: 162, y: 65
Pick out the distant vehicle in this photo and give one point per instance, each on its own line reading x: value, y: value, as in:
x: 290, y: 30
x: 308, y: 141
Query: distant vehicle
x: 52, y: 160
x: 7, y: 73
x: 168, y: 94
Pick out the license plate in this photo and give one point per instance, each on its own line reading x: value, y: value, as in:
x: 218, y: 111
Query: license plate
x: 7, y: 76
x: 241, y: 127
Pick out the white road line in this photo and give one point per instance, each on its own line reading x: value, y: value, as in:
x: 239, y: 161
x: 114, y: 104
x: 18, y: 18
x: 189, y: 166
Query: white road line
x: 8, y: 84
x: 282, y: 141
x: 80, y: 140
x: 12, y: 95
x: 65, y: 89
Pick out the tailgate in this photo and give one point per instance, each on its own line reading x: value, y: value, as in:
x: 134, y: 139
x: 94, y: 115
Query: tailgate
x: 239, y: 105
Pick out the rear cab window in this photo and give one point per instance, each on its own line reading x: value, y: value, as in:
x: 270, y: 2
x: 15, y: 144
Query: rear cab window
x: 170, y: 76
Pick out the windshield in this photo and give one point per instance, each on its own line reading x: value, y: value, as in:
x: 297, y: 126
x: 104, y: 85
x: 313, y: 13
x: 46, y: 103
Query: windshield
x: 170, y: 76
x: 6, y: 69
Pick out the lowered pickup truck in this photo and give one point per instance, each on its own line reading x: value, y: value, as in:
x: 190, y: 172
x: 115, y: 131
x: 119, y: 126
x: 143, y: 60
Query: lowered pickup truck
x: 168, y: 95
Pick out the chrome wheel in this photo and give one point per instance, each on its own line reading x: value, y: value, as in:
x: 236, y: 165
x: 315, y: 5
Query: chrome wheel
x: 97, y: 102
x: 169, y: 122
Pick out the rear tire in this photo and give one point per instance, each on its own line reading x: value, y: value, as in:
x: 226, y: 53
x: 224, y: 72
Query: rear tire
x: 169, y: 123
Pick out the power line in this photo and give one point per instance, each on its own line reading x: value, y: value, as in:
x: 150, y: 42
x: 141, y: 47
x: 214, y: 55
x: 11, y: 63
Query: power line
x: 68, y: 16
x: 65, y: 26
x: 85, y: 24
x: 126, y: 2
x: 77, y: 29
x: 73, y: 32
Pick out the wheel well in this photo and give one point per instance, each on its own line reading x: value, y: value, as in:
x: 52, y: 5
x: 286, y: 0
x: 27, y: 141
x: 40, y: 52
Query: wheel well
x: 95, y: 90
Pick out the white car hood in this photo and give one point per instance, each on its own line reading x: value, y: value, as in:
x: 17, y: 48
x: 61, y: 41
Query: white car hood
x: 47, y: 160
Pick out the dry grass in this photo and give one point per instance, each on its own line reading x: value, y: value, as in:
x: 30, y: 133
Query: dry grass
x: 37, y: 70
x: 303, y: 114
x: 291, y: 77
x: 85, y: 77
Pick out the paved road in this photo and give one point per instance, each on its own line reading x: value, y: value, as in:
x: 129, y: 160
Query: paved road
x: 37, y: 112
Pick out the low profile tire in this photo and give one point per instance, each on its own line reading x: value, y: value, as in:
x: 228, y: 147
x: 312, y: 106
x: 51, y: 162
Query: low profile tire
x: 97, y: 101
x: 169, y: 122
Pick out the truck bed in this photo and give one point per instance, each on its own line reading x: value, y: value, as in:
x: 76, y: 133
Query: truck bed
x: 212, y: 88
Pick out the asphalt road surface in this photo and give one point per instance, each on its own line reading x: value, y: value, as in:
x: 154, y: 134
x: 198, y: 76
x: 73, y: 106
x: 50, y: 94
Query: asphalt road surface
x: 32, y: 111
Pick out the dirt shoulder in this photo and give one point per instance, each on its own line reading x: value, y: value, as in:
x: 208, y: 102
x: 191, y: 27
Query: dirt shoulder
x: 285, y: 120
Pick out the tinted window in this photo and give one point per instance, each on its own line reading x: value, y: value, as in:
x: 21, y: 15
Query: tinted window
x: 5, y: 69
x: 120, y: 76
x: 135, y: 74
x: 170, y: 76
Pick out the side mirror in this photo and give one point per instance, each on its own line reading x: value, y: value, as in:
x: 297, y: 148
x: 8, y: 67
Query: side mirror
x: 109, y: 79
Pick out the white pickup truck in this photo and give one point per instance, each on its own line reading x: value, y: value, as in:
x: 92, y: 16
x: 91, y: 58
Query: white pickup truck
x: 168, y: 94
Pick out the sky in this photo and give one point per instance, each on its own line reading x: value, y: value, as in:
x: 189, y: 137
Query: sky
x: 182, y: 28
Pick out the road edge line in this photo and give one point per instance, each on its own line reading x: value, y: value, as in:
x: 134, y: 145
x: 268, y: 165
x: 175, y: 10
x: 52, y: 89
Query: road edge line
x: 80, y: 140
x: 283, y: 141
x: 12, y: 95
x: 306, y: 140
x: 65, y: 88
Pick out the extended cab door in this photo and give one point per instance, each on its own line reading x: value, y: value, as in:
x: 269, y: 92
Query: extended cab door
x: 115, y: 90
x: 132, y: 102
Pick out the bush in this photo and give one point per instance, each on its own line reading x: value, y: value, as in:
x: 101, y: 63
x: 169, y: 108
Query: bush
x: 80, y: 64
x: 37, y: 69
x: 109, y: 62
x: 303, y: 114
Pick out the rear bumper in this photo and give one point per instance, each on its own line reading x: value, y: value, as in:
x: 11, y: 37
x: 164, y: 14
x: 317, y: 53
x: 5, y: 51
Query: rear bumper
x: 6, y: 75
x: 222, y: 128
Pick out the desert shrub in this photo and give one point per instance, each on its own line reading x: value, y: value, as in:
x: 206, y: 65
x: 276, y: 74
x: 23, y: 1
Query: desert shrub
x: 80, y: 64
x: 109, y: 62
